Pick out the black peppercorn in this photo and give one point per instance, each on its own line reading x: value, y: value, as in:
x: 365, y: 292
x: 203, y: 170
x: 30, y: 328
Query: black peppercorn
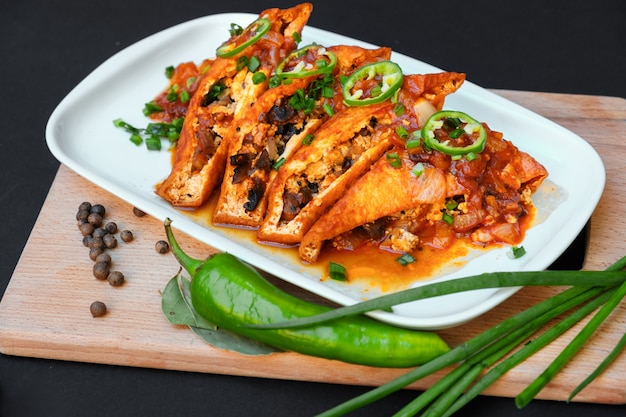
x: 86, y: 229
x: 115, y: 278
x: 101, y: 270
x: 95, y: 219
x: 94, y: 252
x: 98, y: 209
x: 162, y: 247
x: 111, y: 227
x: 98, y: 309
x: 126, y: 235
x: 104, y: 257
x: 109, y: 241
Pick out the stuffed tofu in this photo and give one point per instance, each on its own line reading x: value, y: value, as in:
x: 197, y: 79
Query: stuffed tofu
x: 429, y: 196
x: 347, y: 145
x: 285, y: 117
x: 234, y: 81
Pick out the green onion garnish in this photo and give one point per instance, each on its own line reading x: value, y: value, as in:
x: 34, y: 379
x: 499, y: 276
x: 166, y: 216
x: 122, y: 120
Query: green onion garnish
x: 308, y: 139
x: 279, y: 163
x: 151, y: 107
x: 258, y: 77
x: 418, y: 169
x: 405, y: 259
x: 254, y: 64
x: 517, y: 252
x: 402, y: 133
x: 337, y: 271
x: 393, y: 159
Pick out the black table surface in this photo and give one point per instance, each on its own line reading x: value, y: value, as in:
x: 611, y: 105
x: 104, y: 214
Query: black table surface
x: 48, y: 47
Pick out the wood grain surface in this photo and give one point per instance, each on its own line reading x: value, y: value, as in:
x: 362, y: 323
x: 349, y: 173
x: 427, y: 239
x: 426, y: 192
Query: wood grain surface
x: 45, y: 310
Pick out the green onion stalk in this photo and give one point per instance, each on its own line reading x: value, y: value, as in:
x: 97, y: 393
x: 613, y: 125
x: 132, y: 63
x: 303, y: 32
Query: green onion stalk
x: 480, y: 361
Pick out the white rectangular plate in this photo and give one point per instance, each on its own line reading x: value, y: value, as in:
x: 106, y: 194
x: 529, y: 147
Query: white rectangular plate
x: 81, y: 135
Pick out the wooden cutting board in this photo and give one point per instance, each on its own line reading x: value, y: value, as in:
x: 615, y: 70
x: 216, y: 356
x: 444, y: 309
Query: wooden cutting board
x: 45, y: 310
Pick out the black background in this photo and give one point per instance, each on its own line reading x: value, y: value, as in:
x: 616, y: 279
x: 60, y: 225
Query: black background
x: 48, y: 47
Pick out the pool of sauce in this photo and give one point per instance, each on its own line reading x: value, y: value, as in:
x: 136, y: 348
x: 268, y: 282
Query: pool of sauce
x: 367, y: 266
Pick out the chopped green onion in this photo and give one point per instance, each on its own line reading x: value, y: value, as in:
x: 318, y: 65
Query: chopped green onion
x: 398, y: 109
x: 447, y: 218
x: 184, y: 96
x: 153, y: 132
x: 517, y: 252
x: 308, y: 139
x: 169, y: 71
x: 242, y: 62
x: 254, y: 64
x: 328, y: 109
x: 470, y: 156
x: 296, y: 37
x: 258, y: 77
x: 213, y: 93
x: 337, y: 271
x: 418, y: 169
x: 301, y: 101
x: 172, y: 95
x: 153, y: 143
x: 414, y: 141
x: 320, y: 63
x: 279, y: 163
x: 275, y: 81
x: 136, y: 139
x: 235, y: 29
x: 328, y: 92
x: 402, y: 133
x: 393, y: 159
x: 151, y: 107
x: 127, y: 127
x: 405, y: 259
x: 451, y: 204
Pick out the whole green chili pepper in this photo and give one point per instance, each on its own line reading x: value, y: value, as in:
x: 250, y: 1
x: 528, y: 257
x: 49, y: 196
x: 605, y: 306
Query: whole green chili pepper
x: 232, y: 295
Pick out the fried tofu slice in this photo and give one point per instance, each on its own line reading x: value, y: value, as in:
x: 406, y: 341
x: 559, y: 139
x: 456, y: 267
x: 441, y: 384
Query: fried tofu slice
x: 273, y: 129
x: 319, y: 174
x: 391, y: 205
x: 382, y: 191
x: 224, y: 94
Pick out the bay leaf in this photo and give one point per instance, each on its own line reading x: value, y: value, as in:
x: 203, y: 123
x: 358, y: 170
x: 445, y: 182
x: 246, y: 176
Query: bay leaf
x: 178, y: 309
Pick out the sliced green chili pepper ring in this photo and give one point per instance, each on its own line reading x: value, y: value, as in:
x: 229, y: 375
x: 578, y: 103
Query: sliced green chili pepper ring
x: 250, y: 35
x: 301, y: 69
x: 454, y: 121
x: 391, y: 80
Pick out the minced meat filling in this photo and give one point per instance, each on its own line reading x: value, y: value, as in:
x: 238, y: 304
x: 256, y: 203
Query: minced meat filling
x: 300, y: 189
